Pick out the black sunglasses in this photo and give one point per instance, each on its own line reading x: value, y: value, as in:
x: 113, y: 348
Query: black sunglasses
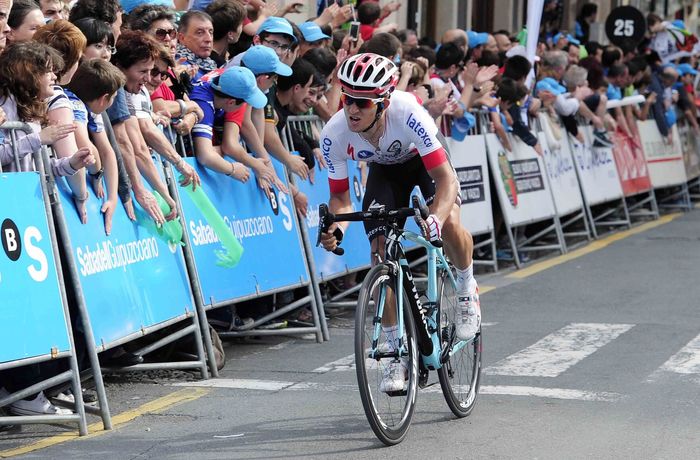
x: 155, y: 72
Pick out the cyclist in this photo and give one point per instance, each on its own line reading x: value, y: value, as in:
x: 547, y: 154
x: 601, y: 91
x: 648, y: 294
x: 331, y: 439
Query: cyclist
x: 390, y: 130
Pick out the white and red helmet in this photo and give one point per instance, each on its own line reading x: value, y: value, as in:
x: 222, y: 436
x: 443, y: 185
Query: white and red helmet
x: 368, y: 73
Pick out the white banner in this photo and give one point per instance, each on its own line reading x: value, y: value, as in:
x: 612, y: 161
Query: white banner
x: 469, y: 160
x: 665, y: 163
x: 597, y: 172
x: 561, y: 172
x: 519, y: 177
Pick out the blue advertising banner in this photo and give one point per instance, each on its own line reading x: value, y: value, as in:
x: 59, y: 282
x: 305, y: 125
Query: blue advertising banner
x: 132, y: 279
x: 266, y: 228
x: 357, y: 251
x: 32, y: 322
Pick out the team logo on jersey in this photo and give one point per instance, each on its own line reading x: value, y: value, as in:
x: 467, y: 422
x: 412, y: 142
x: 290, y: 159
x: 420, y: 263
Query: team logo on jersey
x: 395, y: 147
x: 418, y: 128
x: 326, y: 150
x: 351, y: 151
x: 364, y: 154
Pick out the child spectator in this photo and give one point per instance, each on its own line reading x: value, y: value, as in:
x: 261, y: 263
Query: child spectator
x: 26, y: 81
x: 92, y: 90
x: 370, y: 16
x: 223, y: 93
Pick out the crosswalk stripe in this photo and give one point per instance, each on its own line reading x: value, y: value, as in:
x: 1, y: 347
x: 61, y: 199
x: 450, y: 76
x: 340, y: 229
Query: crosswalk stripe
x: 503, y: 390
x: 686, y: 361
x: 559, y: 351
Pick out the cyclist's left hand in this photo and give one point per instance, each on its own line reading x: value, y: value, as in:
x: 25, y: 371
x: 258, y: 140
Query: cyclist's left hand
x: 328, y: 239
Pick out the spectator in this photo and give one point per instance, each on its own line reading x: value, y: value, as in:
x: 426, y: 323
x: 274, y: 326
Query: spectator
x: 109, y: 11
x: 456, y: 36
x: 51, y: 9
x: 171, y: 94
x: 25, y: 18
x: 611, y: 56
x: 275, y: 33
x: 135, y: 56
x: 370, y: 16
x: 91, y: 90
x: 574, y: 53
x: 100, y: 40
x: 26, y: 79
x: 586, y: 16
x: 384, y: 44
x: 491, y: 44
x: 477, y: 41
x: 408, y: 37
x: 196, y: 42
x: 157, y: 21
x: 502, y: 40
x: 266, y: 68
x: 67, y: 39
x: 312, y: 37
x: 326, y: 63
x: 216, y: 96
x: 227, y: 18
x: 5, y: 7
x: 125, y: 129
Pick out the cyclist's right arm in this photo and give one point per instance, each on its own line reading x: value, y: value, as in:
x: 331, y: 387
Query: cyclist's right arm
x: 339, y: 201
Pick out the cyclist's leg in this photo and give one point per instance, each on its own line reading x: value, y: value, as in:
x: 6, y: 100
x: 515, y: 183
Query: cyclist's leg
x: 459, y: 246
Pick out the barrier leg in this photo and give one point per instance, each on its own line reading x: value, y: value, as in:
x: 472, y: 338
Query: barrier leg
x: 74, y: 279
x: 202, y: 334
x: 314, y: 290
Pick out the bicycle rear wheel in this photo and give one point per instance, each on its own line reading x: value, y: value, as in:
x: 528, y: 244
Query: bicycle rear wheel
x: 460, y: 374
x: 389, y: 414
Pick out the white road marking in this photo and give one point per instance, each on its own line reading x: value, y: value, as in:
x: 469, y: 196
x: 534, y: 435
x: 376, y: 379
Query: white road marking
x: 559, y: 351
x: 686, y: 361
x: 343, y: 364
x: 282, y: 345
x: 273, y: 385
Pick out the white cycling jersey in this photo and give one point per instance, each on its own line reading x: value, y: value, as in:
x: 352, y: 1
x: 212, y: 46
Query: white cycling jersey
x: 409, y: 131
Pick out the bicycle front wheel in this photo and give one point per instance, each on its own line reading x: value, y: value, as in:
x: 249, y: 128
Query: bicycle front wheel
x: 460, y: 374
x: 388, y: 413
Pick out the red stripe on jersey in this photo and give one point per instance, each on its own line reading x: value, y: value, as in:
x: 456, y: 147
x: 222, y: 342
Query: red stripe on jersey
x: 339, y: 186
x: 434, y: 158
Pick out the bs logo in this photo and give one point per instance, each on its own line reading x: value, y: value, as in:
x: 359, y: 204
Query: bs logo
x: 13, y: 243
x: 357, y: 188
x: 273, y: 201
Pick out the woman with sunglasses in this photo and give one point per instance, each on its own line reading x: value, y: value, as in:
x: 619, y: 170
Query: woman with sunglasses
x: 392, y: 132
x: 170, y: 94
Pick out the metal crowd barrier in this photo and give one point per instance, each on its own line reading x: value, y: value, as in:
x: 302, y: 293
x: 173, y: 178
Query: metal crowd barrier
x: 30, y: 310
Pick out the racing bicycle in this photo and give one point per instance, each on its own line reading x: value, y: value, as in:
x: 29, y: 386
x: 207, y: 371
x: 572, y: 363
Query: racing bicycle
x: 426, y: 324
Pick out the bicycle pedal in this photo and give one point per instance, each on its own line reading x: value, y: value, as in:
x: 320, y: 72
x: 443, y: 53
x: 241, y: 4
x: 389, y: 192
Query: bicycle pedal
x: 394, y: 394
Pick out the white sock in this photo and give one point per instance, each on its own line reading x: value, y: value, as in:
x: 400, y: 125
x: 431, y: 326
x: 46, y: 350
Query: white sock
x: 392, y: 339
x: 465, y: 279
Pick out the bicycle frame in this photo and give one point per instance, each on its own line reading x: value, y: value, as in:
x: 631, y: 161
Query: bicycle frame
x: 428, y: 313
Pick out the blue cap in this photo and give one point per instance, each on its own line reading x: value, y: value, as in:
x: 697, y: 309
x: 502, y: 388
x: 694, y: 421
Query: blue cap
x: 685, y: 69
x: 477, y: 38
x: 569, y: 37
x: 239, y: 82
x: 678, y: 23
x: 129, y: 5
x: 312, y: 32
x: 551, y: 85
x: 275, y: 25
x: 261, y: 59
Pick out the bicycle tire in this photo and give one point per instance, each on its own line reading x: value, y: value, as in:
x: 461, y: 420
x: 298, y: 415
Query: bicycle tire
x: 460, y: 375
x: 378, y: 406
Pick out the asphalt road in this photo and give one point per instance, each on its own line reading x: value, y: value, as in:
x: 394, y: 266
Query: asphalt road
x: 595, y: 357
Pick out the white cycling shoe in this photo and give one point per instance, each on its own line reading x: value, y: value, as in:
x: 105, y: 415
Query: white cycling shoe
x: 395, y: 375
x: 471, y: 315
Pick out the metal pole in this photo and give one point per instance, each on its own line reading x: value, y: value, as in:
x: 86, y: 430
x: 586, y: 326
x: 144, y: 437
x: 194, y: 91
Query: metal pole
x: 74, y: 277
x: 196, y: 287
x: 77, y: 388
